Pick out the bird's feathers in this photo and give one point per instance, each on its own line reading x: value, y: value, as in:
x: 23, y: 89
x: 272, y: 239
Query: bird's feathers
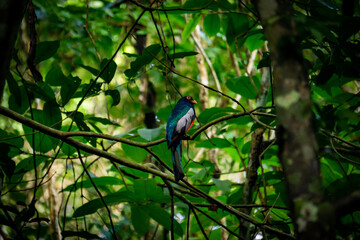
x: 176, y: 153
x: 180, y: 121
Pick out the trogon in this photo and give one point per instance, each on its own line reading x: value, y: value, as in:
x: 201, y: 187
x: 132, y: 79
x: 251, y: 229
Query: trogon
x: 181, y: 119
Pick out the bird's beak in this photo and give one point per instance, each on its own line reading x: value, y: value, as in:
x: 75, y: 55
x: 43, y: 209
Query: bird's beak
x: 193, y: 101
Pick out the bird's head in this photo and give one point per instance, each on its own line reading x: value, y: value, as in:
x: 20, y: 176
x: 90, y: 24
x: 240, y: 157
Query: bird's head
x: 188, y: 99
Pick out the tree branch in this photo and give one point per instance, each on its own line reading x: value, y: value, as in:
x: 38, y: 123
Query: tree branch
x: 142, y: 167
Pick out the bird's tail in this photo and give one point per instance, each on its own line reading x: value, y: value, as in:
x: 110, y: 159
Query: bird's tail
x: 176, y: 152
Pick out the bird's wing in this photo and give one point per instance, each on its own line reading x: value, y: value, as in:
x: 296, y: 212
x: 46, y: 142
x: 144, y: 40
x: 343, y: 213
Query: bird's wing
x: 185, y: 122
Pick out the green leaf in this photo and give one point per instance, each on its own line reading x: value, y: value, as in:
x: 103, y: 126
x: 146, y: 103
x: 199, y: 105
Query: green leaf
x: 195, y: 4
x: 135, y: 153
x: 112, y: 199
x: 55, y: 76
x: 164, y: 113
x: 219, y: 143
x: 210, y: 114
x: 24, y: 104
x: 148, y: 55
x: 242, y: 86
x: 52, y: 115
x: 99, y: 181
x: 140, y: 219
x: 103, y: 121
x: 147, y: 190
x: 181, y: 55
x: 265, y: 61
x: 163, y: 218
x: 82, y: 234
x: 15, y: 141
x: 224, y: 185
x: 40, y: 90
x: 115, y: 95
x: 109, y: 72
x: 79, y: 120
x: 235, y: 25
x: 92, y: 70
x: 212, y: 24
x: 255, y: 41
x: 236, y: 197
x: 150, y: 134
x: 43, y: 142
x: 45, y: 50
x: 190, y: 26
x: 14, y: 89
x: 68, y: 88
x: 163, y: 153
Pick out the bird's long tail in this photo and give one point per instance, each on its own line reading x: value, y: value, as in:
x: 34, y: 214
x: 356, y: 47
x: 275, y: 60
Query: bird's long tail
x: 176, y: 152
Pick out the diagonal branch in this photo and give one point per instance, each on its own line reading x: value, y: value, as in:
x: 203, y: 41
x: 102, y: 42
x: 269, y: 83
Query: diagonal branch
x: 141, y: 167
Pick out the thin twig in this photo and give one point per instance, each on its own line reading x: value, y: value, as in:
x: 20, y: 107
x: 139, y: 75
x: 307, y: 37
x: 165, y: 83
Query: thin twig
x: 99, y: 193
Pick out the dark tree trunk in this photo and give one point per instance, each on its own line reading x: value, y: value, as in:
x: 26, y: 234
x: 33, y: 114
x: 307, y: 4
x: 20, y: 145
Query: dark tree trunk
x: 11, y: 14
x: 296, y: 135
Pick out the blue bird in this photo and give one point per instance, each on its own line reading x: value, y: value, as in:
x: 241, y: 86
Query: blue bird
x: 181, y: 119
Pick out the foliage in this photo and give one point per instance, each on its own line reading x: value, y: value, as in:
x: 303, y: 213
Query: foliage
x: 94, y: 82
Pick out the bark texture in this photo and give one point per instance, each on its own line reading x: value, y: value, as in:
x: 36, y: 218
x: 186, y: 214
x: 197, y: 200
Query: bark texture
x: 296, y: 136
x: 11, y: 14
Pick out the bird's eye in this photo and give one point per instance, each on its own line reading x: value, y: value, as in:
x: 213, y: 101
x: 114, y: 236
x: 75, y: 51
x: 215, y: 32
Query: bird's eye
x: 188, y: 98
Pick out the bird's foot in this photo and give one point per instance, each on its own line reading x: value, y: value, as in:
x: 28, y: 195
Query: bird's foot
x: 186, y: 137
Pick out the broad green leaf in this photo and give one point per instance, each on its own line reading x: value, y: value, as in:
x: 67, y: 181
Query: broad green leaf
x: 147, y: 190
x: 150, y: 134
x: 17, y: 142
x: 115, y: 95
x: 135, y: 153
x: 148, y: 55
x: 92, y: 70
x: 40, y: 90
x: 109, y: 72
x: 271, y: 178
x: 112, y: 199
x: 52, y: 115
x: 163, y: 218
x: 14, y: 89
x: 255, y: 41
x: 164, y: 113
x: 195, y: 4
x: 181, y: 55
x: 265, y: 61
x: 46, y: 50
x: 55, y: 76
x: 212, y: 24
x: 140, y: 218
x: 224, y: 185
x: 43, y: 142
x: 68, y: 88
x: 242, y: 86
x: 99, y: 181
x: 163, y: 153
x: 190, y: 26
x: 103, y: 121
x: 342, y: 187
x: 236, y: 196
x: 235, y: 25
x: 81, y: 234
x: 24, y: 104
x: 219, y: 143
x: 212, y: 113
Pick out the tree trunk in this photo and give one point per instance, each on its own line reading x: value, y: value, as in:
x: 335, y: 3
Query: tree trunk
x: 12, y: 12
x: 296, y: 136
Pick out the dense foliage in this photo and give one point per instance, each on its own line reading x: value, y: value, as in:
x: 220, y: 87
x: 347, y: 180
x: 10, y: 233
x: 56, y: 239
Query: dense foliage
x: 104, y: 77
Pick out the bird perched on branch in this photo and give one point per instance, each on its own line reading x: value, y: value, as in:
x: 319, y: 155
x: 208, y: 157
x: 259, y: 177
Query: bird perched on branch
x: 181, y: 119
